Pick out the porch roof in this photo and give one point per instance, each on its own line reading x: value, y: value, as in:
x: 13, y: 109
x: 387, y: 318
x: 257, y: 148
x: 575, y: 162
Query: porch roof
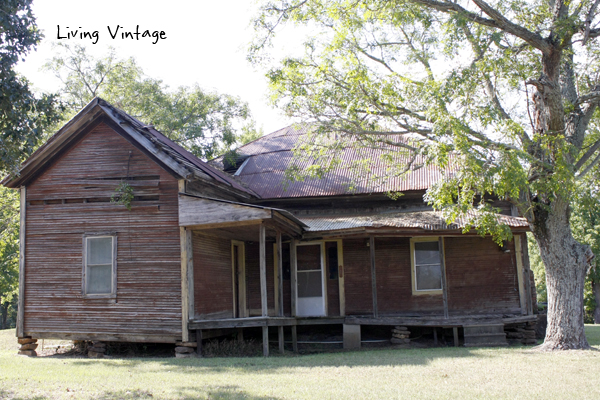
x: 208, y: 213
x: 423, y: 220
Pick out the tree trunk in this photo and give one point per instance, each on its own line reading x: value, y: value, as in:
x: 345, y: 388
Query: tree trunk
x: 3, y: 313
x: 567, y: 263
x: 596, y: 291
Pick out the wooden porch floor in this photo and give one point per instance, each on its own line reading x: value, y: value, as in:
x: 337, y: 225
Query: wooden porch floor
x: 430, y: 320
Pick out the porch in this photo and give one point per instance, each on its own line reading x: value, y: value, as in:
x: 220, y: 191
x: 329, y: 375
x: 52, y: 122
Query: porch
x: 245, y: 267
x: 351, y: 325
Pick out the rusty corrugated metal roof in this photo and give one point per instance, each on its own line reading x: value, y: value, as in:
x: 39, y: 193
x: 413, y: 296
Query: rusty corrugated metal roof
x: 427, y: 220
x: 270, y: 156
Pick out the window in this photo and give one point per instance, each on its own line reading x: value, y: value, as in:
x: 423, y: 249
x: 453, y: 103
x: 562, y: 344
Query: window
x: 427, y: 268
x: 99, y: 266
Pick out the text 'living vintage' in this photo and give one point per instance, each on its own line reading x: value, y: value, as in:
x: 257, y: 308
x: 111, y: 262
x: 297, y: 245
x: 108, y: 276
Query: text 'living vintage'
x: 117, y: 32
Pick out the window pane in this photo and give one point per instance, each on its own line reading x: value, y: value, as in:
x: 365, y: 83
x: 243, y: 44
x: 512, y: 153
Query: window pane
x: 99, y: 250
x: 309, y: 284
x: 427, y: 253
x: 99, y: 279
x: 309, y: 257
x: 429, y: 277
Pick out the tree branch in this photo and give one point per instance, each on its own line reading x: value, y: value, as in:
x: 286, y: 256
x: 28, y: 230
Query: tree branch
x: 497, y: 21
x: 587, y: 155
x: 589, y: 167
x: 588, y: 22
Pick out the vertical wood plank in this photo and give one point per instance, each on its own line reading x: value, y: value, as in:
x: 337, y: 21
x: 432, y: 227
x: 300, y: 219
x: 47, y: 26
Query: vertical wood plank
x: 279, y: 275
x: 294, y: 339
x: 22, y: 236
x: 527, y: 274
x: 184, y: 285
x: 519, y: 260
x: 190, y: 272
x: 263, y: 270
x: 340, y: 252
x: 265, y: 338
x: 373, y: 275
x: 443, y: 267
x: 293, y: 275
x: 280, y: 338
x: 455, y: 334
x: 185, y: 307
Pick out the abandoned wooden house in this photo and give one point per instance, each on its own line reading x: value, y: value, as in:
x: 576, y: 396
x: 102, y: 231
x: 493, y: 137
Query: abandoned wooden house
x: 231, y: 245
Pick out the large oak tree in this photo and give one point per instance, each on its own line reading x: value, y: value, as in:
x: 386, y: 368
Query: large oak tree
x: 23, y: 115
x: 507, y: 91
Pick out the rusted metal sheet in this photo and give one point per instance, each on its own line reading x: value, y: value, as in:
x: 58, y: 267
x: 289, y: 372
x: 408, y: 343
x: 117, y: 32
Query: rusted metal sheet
x: 270, y: 156
x: 213, y: 288
x: 427, y: 220
x: 148, y: 300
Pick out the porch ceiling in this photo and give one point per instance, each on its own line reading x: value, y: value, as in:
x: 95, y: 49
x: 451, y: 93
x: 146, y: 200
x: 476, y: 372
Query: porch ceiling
x: 198, y: 212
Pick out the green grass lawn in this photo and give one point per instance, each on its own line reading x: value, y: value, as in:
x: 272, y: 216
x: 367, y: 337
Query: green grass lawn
x: 437, y: 373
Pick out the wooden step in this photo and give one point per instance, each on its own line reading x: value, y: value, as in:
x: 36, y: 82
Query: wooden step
x: 484, y: 335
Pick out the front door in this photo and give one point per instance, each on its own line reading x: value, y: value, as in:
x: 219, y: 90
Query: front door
x: 310, y: 301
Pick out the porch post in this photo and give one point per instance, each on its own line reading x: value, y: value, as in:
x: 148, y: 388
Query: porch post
x: 187, y: 281
x: 373, y: 275
x: 444, y: 285
x: 263, y: 271
x: 279, y: 274
x: 263, y: 287
x: 294, y: 269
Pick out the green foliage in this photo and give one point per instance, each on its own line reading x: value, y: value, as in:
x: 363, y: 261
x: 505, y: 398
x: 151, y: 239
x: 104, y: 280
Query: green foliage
x: 407, y: 76
x: 123, y: 195
x: 9, y: 248
x: 23, y: 116
x: 205, y: 123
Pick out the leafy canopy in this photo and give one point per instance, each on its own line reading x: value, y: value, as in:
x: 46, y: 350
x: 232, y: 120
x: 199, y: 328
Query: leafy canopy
x: 450, y: 82
x: 205, y: 123
x: 23, y: 116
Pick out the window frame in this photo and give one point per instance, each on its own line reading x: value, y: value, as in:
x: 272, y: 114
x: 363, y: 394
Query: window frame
x: 84, y: 289
x: 413, y: 267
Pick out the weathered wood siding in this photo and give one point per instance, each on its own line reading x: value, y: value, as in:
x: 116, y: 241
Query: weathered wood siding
x: 480, y: 276
x: 253, y: 278
x: 64, y: 203
x: 394, y: 285
x: 357, y: 283
x: 213, y: 288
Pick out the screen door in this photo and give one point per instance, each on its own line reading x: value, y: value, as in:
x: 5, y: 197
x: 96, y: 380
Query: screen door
x: 309, y: 277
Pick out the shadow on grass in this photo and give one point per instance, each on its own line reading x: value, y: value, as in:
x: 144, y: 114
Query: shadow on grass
x: 367, y: 358
x: 219, y: 392
x: 5, y: 394
x: 186, y: 393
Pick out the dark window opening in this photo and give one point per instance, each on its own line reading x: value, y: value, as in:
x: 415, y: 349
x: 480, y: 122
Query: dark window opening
x: 286, y: 264
x: 332, y: 260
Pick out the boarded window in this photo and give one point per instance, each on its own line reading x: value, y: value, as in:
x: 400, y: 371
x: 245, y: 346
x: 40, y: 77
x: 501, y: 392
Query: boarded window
x: 428, y: 271
x: 99, y: 265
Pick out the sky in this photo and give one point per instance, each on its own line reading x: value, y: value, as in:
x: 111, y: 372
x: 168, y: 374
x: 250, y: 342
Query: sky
x: 205, y: 43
